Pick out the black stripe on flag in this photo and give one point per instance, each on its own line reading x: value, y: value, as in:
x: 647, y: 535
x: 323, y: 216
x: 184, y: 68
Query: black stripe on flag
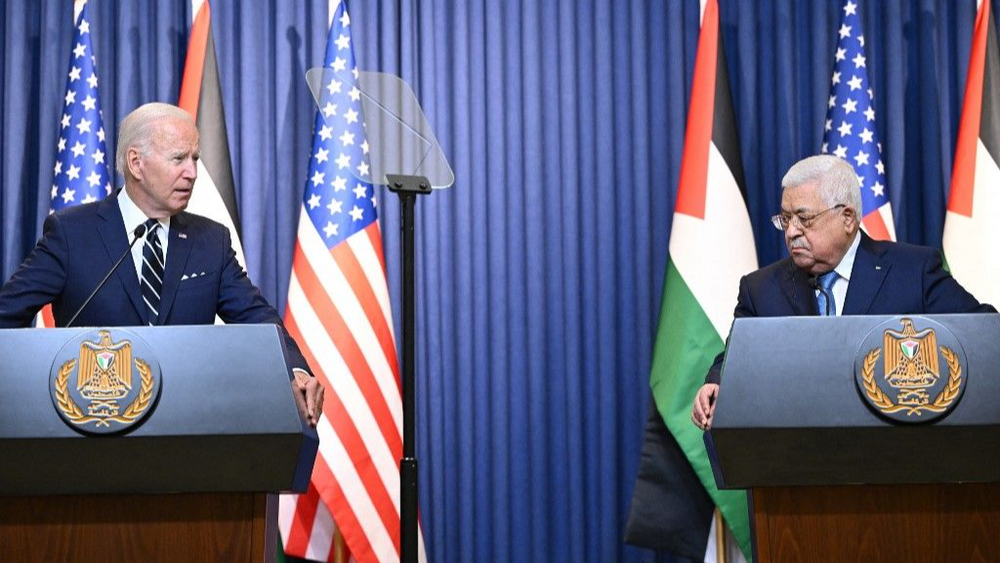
x: 725, y: 137
x: 989, y: 123
x: 214, y: 137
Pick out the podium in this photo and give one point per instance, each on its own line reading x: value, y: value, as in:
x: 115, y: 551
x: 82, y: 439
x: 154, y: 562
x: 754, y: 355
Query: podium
x: 194, y: 480
x: 830, y: 478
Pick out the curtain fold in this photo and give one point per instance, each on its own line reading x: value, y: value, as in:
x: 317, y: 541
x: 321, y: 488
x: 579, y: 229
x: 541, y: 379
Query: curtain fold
x: 540, y: 270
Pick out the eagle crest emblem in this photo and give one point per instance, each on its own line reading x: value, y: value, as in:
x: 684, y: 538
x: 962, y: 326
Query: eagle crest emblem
x: 103, y: 387
x: 911, y: 385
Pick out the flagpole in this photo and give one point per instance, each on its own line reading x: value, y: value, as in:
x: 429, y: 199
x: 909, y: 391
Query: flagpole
x: 721, y: 540
x: 408, y: 188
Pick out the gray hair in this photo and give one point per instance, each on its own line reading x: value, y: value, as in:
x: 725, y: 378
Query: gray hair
x: 837, y: 181
x: 136, y: 130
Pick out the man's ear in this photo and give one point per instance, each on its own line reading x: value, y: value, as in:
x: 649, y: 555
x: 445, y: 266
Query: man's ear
x: 133, y: 160
x: 850, y: 219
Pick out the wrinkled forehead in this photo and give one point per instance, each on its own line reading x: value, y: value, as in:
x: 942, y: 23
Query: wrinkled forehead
x: 171, y: 133
x: 802, y: 199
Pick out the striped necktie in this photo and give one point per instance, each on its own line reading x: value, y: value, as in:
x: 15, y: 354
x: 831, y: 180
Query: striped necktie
x: 151, y: 281
x: 826, y: 282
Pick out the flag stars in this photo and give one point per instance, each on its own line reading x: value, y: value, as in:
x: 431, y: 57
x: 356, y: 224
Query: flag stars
x: 317, y: 178
x: 89, y: 199
x: 84, y: 27
x: 89, y: 103
x: 55, y: 192
x: 326, y: 133
x: 360, y: 191
x: 68, y: 195
x: 351, y: 116
x: 832, y: 102
x: 335, y: 206
x: 65, y: 120
x: 841, y: 54
x: 340, y: 184
x: 314, y: 201
x: 355, y: 94
x: 94, y: 179
x: 334, y: 86
x: 74, y: 74
x: 866, y: 135
x: 98, y: 157
x: 845, y: 31
x: 92, y: 80
x: 357, y: 213
x: 850, y: 106
x: 330, y: 229
x: 62, y: 144
x: 345, y: 20
x: 343, y: 161
x: 79, y: 51
x: 347, y: 138
x: 824, y: 148
x: 859, y: 61
x: 70, y: 97
x: 878, y: 189
x: 844, y: 129
x: 363, y: 169
x: 828, y: 125
x: 840, y: 152
x: 83, y: 126
x: 329, y: 109
x: 880, y: 167
x: 343, y: 42
x: 836, y: 78
x: 861, y: 158
x: 854, y: 83
x: 364, y: 146
x: 78, y: 149
x: 850, y: 9
x: 57, y: 169
x: 861, y: 40
x: 73, y: 173
x: 339, y: 65
x: 322, y: 155
x: 870, y: 114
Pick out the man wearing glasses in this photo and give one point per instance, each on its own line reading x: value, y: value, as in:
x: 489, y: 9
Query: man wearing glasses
x: 834, y: 268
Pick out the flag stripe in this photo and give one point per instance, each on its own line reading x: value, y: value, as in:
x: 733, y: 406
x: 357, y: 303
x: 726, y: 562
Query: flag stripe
x: 297, y: 539
x: 194, y: 65
x: 963, y: 176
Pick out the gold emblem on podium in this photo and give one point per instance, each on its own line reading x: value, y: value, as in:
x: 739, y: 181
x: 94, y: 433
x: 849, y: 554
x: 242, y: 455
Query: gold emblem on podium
x: 111, y: 390
x: 912, y: 383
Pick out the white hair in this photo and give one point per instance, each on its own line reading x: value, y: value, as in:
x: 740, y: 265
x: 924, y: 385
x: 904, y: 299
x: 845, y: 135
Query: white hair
x: 838, y: 183
x: 136, y: 130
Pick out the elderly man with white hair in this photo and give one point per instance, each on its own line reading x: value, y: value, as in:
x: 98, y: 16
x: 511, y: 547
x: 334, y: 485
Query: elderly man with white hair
x: 834, y: 268
x: 185, y: 270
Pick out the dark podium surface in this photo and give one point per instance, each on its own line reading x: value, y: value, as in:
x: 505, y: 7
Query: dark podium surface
x: 225, y: 420
x: 789, y: 412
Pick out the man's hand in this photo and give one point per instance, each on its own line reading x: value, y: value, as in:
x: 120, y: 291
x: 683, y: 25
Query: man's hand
x: 308, y: 395
x: 704, y: 405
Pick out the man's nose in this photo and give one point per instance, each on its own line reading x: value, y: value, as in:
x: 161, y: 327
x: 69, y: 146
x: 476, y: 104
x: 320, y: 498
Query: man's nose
x: 191, y: 169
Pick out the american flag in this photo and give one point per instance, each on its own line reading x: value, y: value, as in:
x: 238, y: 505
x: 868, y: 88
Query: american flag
x: 81, y: 173
x: 338, y: 312
x: 849, y: 131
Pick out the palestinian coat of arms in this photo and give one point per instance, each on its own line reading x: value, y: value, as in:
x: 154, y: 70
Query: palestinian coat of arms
x: 918, y: 376
x: 104, y: 388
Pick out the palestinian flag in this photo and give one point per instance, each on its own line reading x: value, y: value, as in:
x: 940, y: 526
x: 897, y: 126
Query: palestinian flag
x: 214, y: 194
x: 711, y: 247
x: 971, y: 226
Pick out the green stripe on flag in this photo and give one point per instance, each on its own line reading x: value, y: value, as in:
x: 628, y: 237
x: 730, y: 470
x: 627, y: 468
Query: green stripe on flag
x: 686, y: 346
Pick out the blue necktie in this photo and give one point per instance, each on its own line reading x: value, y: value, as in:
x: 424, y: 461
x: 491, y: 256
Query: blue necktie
x: 151, y: 282
x: 826, y: 282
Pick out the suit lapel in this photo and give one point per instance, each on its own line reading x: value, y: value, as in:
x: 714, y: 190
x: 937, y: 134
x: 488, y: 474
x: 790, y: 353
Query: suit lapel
x: 112, y: 231
x: 796, y: 288
x: 178, y: 251
x: 867, y: 275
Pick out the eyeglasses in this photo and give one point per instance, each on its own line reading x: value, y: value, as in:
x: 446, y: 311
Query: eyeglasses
x: 781, y: 221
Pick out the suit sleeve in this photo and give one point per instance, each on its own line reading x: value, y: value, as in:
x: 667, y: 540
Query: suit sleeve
x: 942, y: 292
x: 241, y: 302
x: 744, y: 308
x: 39, y: 280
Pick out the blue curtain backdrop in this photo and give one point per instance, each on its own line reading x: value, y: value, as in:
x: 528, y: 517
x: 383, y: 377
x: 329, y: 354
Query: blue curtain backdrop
x: 540, y: 271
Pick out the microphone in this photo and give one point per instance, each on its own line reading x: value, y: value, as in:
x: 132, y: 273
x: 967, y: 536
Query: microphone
x: 814, y: 282
x: 137, y: 234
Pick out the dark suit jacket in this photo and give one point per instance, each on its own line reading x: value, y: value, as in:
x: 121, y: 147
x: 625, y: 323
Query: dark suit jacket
x: 80, y: 244
x: 888, y: 278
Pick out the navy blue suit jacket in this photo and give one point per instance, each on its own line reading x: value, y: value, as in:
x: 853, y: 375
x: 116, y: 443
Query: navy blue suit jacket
x: 80, y: 244
x: 888, y: 278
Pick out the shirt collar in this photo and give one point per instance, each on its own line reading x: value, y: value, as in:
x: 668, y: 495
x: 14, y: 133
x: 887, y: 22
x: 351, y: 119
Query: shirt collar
x: 847, y: 262
x: 133, y: 216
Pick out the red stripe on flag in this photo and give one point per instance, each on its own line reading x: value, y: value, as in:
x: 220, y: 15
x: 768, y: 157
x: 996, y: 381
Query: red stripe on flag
x: 349, y: 265
x: 963, y: 175
x: 194, y: 65
x: 302, y: 523
x: 350, y: 527
x: 875, y: 225
x: 694, y: 165
x: 347, y: 345
x: 48, y: 321
x: 375, y: 236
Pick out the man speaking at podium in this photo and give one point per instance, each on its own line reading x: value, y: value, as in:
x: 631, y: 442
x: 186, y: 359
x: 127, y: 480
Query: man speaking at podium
x: 834, y: 268
x: 183, y: 272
